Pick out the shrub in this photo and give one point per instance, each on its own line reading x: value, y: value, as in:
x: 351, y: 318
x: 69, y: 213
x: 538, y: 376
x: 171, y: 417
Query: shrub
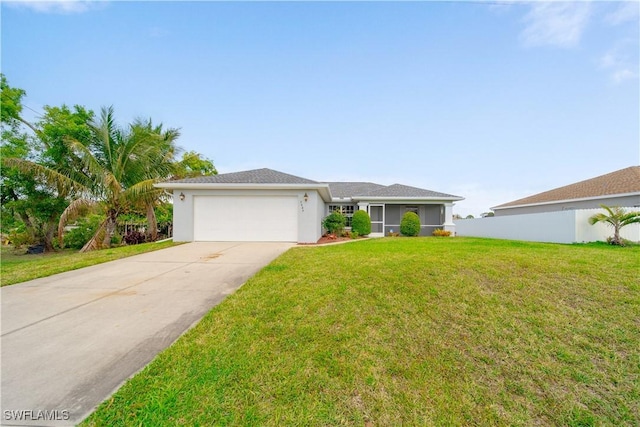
x: 410, y: 224
x: 439, y: 232
x: 83, y: 230
x: 361, y: 223
x: 19, y: 237
x: 334, y: 223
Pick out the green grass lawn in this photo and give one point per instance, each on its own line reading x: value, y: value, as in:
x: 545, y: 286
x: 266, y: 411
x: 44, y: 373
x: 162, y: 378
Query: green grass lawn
x: 16, y: 266
x: 401, y: 331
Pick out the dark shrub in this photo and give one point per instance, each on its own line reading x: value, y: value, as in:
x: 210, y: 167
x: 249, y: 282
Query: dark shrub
x: 134, y: 237
x: 410, y: 224
x: 334, y: 222
x: 361, y: 223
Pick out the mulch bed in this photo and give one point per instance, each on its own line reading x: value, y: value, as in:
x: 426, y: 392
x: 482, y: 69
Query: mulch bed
x: 328, y: 239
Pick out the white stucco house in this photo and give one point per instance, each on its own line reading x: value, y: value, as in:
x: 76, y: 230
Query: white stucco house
x: 267, y: 205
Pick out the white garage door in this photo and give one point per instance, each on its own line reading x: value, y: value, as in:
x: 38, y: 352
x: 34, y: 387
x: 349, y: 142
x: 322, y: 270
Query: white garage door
x: 245, y: 218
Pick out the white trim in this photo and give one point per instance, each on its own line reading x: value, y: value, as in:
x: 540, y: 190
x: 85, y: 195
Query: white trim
x: 421, y: 225
x: 420, y: 200
x: 555, y: 202
x: 323, y: 189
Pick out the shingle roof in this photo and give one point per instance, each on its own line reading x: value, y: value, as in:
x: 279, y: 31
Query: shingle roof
x: 399, y: 190
x: 351, y: 189
x: 337, y: 189
x: 255, y: 176
x: 370, y: 189
x: 623, y: 181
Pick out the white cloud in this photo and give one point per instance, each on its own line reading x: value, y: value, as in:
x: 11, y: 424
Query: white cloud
x: 621, y: 61
x: 627, y: 11
x: 559, y: 24
x: 58, y: 6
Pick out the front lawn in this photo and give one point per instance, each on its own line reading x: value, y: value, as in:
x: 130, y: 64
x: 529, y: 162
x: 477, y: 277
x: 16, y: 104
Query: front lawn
x: 408, y: 331
x: 17, y: 267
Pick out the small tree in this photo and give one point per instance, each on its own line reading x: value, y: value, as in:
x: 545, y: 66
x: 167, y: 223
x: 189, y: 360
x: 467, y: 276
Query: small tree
x: 617, y: 218
x: 410, y: 224
x: 361, y: 223
x: 334, y: 223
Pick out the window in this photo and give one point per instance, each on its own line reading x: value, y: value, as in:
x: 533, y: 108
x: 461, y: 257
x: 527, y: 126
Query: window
x: 413, y: 209
x: 347, y: 211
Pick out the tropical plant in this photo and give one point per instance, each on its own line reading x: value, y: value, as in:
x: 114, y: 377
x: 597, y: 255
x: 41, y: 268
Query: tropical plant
x: 120, y: 167
x: 114, y: 167
x: 31, y: 199
x: 361, y: 223
x: 71, y: 162
x: 410, y: 224
x: 617, y: 218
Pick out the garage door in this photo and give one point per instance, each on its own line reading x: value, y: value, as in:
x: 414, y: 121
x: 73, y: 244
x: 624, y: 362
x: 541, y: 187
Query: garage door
x: 245, y: 218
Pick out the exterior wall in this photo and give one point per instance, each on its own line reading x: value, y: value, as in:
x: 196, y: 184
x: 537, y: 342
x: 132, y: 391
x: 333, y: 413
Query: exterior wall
x: 309, y: 212
x: 555, y: 227
x: 583, y: 204
x: 310, y: 217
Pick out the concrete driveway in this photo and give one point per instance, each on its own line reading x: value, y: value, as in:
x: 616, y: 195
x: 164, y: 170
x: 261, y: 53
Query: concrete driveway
x: 70, y: 340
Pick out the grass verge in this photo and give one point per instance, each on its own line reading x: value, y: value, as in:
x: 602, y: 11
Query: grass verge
x: 16, y: 267
x: 421, y: 331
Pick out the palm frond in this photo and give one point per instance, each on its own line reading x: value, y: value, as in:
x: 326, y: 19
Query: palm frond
x: 63, y: 183
x: 71, y: 213
x: 95, y: 242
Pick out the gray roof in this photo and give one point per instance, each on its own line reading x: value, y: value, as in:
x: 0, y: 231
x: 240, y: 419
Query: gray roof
x: 352, y: 189
x: 399, y: 190
x: 370, y: 189
x: 255, y: 176
x: 338, y: 189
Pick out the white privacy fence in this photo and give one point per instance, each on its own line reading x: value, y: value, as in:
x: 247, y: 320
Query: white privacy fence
x: 556, y: 227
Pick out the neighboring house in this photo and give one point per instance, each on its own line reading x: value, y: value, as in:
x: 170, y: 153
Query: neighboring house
x: 267, y: 205
x: 619, y: 188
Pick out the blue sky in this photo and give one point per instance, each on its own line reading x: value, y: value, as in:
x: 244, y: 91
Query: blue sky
x: 491, y: 101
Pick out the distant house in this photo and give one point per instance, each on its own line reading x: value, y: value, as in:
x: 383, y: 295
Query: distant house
x: 619, y: 188
x: 267, y: 205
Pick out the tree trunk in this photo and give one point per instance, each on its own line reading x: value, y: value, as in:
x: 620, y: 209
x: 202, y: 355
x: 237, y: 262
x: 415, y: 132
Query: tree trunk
x: 616, y: 235
x: 49, y: 234
x: 110, y: 228
x: 152, y: 224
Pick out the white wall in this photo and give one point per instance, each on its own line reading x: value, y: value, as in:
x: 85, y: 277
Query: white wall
x: 555, y: 227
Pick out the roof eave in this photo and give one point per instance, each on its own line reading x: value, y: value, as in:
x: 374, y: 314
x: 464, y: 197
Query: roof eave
x: 554, y: 202
x: 323, y: 189
x: 408, y: 199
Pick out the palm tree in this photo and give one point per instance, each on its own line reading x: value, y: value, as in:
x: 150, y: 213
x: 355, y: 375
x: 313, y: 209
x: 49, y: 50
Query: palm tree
x: 616, y: 217
x: 119, y: 168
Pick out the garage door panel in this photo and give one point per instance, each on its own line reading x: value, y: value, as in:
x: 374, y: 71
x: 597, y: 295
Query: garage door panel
x: 245, y: 218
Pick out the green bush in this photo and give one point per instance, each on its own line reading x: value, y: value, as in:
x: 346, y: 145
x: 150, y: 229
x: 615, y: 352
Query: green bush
x: 334, y: 223
x: 83, y: 230
x: 410, y: 224
x: 361, y: 223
